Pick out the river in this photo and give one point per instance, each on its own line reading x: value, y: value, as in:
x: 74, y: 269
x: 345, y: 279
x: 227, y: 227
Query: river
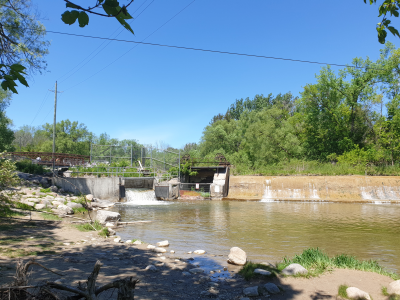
x: 267, y: 231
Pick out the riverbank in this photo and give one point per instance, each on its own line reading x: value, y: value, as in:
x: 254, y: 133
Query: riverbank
x: 362, y: 189
x: 60, y: 246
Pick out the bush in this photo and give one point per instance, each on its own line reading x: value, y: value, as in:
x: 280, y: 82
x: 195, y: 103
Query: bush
x: 27, y: 166
x: 8, y: 179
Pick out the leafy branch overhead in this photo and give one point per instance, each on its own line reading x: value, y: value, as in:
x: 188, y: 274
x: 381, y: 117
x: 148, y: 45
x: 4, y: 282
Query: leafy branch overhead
x: 388, y: 7
x: 111, y: 8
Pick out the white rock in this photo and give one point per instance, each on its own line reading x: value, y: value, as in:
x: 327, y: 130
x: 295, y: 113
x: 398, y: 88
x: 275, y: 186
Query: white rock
x: 151, y: 268
x: 294, y: 269
x: 355, y: 293
x: 56, y: 203
x: 172, y: 251
x: 237, y: 256
x: 104, y: 216
x: 117, y: 240
x: 67, y: 244
x: 251, y: 291
x: 137, y: 242
x: 271, y: 288
x: 109, y: 224
x: 199, y: 252
x: 151, y: 247
x: 159, y: 250
x: 394, y: 287
x: 196, y: 270
x: 63, y: 210
x: 74, y: 205
x: 89, y: 197
x: 163, y: 244
x: 128, y: 241
x: 34, y: 200
x: 40, y: 206
x: 189, y: 252
x: 262, y: 272
x: 111, y: 231
x: 62, y: 200
x: 30, y: 203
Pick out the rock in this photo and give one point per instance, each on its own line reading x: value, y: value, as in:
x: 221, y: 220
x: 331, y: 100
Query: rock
x: 163, y: 244
x: 109, y: 224
x: 35, y: 181
x: 271, y: 288
x: 62, y: 200
x: 54, y: 189
x: 237, y: 256
x: 111, y: 231
x: 117, y: 240
x: 151, y: 247
x: 262, y: 272
x: 172, y: 251
x: 355, y: 293
x: 199, y: 252
x: 128, y: 241
x: 185, y: 273
x: 89, y: 197
x: 151, y: 268
x: 30, y: 203
x: 394, y: 288
x: 159, y: 250
x: 205, y: 294
x: 63, y: 210
x: 56, y: 203
x: 74, y: 205
x: 45, y: 202
x: 61, y: 191
x: 251, y: 291
x: 137, y: 242
x: 67, y: 244
x: 104, y: 216
x: 244, y: 298
x: 40, y: 206
x: 196, y: 270
x: 102, y: 204
x: 294, y: 269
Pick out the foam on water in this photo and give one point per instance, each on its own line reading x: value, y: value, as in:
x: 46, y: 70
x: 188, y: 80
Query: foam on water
x: 142, y: 197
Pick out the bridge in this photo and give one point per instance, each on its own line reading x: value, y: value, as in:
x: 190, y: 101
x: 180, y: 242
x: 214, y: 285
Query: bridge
x: 46, y: 158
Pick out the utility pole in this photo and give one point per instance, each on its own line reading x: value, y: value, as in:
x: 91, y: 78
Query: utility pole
x: 54, y: 126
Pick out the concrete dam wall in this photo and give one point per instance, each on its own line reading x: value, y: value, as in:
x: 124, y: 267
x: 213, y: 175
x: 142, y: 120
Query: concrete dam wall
x: 316, y: 188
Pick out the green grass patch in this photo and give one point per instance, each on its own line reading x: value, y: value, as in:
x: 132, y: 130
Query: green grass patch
x: 21, y: 205
x: 390, y: 297
x: 79, y: 210
x: 317, y: 262
x: 51, y: 217
x: 12, y: 253
x: 45, y: 190
x: 248, y: 270
x: 33, y: 193
x: 80, y: 200
x: 103, y: 232
x: 342, y: 291
x: 10, y: 240
x: 89, y: 227
x: 27, y: 166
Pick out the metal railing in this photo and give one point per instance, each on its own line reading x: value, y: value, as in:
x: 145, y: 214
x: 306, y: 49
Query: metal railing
x: 195, y: 187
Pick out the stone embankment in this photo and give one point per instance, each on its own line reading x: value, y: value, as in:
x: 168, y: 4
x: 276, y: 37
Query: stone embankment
x: 375, y: 189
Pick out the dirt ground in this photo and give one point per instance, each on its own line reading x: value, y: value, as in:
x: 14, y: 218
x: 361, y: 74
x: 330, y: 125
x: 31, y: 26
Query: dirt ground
x: 21, y: 238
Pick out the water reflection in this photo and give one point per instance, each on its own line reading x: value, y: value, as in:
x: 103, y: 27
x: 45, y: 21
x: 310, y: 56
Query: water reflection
x: 267, y: 231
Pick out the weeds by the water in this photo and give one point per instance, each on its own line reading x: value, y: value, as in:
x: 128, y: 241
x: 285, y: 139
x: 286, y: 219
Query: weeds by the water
x: 342, y: 292
x: 45, y: 190
x: 24, y: 206
x: 104, y: 232
x: 51, y: 217
x: 96, y: 226
x: 79, y: 210
x: 317, y: 262
x: 248, y: 270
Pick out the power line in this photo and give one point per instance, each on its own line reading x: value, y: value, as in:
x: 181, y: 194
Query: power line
x: 134, y: 46
x: 207, y: 50
x: 103, y: 44
x: 40, y: 106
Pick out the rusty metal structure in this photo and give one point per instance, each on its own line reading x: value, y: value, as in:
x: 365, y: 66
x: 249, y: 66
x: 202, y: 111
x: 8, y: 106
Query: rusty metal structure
x: 219, y: 159
x: 46, y: 158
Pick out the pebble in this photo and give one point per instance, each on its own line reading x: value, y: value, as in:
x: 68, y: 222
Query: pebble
x: 262, y: 272
x: 271, y: 288
x: 199, y: 252
x: 151, y: 268
x: 196, y: 270
x: 172, y: 251
x: 151, y: 247
x: 128, y: 241
x: 163, y: 244
x: 67, y: 244
x: 251, y: 291
x: 159, y: 250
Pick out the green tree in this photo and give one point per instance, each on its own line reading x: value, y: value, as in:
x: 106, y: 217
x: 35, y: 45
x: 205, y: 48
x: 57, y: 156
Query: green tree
x: 22, y: 46
x: 6, y: 133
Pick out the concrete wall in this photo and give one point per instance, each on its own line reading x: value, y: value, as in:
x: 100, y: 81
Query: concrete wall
x: 102, y: 188
x: 317, y: 188
x: 131, y: 183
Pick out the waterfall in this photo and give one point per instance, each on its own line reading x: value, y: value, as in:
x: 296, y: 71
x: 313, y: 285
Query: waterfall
x: 142, y: 197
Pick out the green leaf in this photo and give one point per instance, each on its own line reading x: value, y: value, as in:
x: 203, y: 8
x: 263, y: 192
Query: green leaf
x: 124, y: 23
x: 83, y: 19
x: 69, y: 17
x: 72, y: 5
x: 382, y: 36
x: 4, y: 85
x: 394, y: 31
x: 110, y: 10
x: 22, y: 79
x: 17, y: 67
x: 111, y: 3
x: 395, y: 13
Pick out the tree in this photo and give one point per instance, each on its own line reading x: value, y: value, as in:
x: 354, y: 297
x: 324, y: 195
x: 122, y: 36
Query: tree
x: 6, y: 134
x: 110, y: 7
x: 388, y: 7
x: 22, y: 44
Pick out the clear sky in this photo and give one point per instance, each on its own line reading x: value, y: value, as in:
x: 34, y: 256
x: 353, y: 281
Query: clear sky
x: 155, y: 94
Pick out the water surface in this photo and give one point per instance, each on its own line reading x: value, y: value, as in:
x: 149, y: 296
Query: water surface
x: 267, y: 231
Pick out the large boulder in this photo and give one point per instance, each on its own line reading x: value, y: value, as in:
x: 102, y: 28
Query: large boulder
x: 355, y: 293
x: 40, y: 206
x: 394, y: 288
x: 54, y: 189
x: 63, y: 210
x: 104, y: 216
x: 57, y: 203
x: 294, y: 269
x: 34, y: 200
x: 237, y: 256
x: 102, y: 204
x: 74, y: 205
x: 89, y: 197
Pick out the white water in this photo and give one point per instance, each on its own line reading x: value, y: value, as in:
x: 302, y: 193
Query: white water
x: 142, y: 197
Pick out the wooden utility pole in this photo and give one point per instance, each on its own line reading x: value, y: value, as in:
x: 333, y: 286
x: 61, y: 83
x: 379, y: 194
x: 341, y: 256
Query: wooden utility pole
x: 54, y: 125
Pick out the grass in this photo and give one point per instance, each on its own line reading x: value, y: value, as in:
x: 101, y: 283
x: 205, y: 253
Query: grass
x: 22, y: 206
x: 27, y: 166
x: 45, y: 190
x: 342, y: 291
x: 248, y: 270
x: 392, y: 296
x: 318, y: 262
x: 8, y: 241
x: 51, y: 217
x: 33, y: 193
x: 102, y: 231
x: 79, y: 210
x: 12, y: 253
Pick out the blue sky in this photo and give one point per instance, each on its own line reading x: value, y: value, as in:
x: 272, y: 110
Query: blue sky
x: 156, y: 94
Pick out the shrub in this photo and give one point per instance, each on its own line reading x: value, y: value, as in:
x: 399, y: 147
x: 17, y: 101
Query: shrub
x: 27, y: 166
